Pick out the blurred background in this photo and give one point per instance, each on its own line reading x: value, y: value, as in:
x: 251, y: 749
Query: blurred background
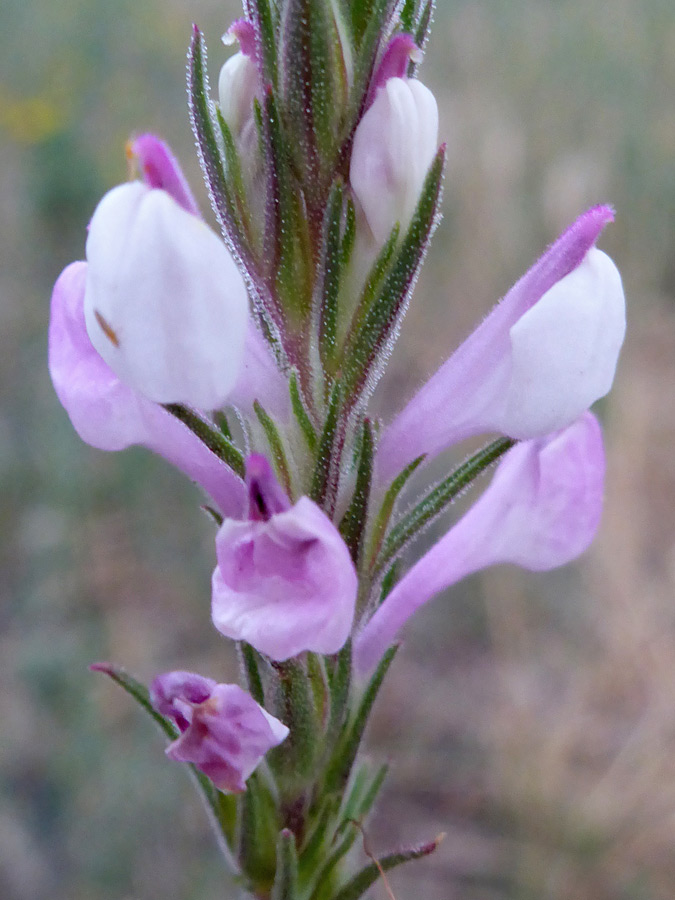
x: 532, y: 718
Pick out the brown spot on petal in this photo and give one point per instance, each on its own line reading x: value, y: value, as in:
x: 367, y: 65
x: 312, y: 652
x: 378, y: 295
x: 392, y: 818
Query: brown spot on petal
x: 107, y: 330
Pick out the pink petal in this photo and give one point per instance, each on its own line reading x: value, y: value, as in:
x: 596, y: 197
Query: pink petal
x: 541, y: 511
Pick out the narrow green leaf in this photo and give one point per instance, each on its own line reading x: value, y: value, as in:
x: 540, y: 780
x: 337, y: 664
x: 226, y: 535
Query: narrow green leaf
x: 301, y: 414
x: 323, y: 473
x: 258, y: 834
x: 276, y: 446
x: 352, y: 526
x: 387, y: 507
x: 370, y: 795
x: 349, y: 236
x: 437, y: 499
x: 407, y: 15
x: 360, y: 883
x: 251, y: 664
x: 325, y: 875
x: 235, y: 176
x: 209, y: 151
x: 214, y: 440
x: 371, y: 289
x: 339, y: 678
x: 330, y: 286
x: 343, y: 759
x: 424, y: 23
x: 213, y: 514
x: 389, y: 581
x: 286, y: 880
x: 263, y: 16
x: 294, y: 759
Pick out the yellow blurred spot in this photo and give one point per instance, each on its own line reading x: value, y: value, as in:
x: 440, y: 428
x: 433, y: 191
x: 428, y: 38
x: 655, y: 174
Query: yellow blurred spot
x: 30, y: 120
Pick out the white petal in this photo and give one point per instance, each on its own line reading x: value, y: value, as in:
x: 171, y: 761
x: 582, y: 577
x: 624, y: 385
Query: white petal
x: 565, y: 349
x: 165, y: 304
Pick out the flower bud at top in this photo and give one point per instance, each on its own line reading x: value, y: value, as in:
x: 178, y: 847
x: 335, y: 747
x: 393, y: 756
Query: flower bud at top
x: 224, y: 732
x: 238, y: 86
x: 165, y: 305
x: 394, y: 145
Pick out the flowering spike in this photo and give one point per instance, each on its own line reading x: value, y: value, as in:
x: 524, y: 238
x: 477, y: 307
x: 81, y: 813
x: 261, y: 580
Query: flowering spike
x: 541, y: 510
x: 160, y: 169
x: 541, y: 358
x: 224, y: 732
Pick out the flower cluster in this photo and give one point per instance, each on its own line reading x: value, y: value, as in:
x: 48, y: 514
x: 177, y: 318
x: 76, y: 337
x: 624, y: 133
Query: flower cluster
x: 247, y: 360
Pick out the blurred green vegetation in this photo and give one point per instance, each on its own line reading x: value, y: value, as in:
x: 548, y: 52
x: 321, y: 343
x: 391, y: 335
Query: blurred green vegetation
x: 547, y: 107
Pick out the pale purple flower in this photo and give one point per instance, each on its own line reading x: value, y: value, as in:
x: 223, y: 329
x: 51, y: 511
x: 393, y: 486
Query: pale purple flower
x: 224, y: 732
x: 110, y: 415
x: 394, y: 145
x: 541, y: 510
x: 165, y: 304
x: 543, y: 356
x: 285, y: 581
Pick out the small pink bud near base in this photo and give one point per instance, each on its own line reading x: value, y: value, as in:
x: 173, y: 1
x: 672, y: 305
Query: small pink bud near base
x: 541, y: 510
x: 224, y: 732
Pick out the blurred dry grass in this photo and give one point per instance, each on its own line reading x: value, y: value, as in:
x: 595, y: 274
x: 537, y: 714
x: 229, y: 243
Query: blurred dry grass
x: 532, y: 718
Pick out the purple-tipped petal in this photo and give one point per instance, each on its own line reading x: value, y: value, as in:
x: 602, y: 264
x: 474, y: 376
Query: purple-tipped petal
x: 265, y: 495
x: 541, y: 510
x: 400, y: 51
x: 109, y: 415
x: 285, y: 581
x: 224, y: 732
x: 242, y: 31
x: 542, y: 356
x: 160, y: 169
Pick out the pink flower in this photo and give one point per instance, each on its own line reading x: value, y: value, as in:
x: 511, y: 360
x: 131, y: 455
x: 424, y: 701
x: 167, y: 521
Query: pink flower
x: 110, y: 415
x: 285, y: 581
x: 541, y: 510
x: 224, y: 732
x: 538, y: 361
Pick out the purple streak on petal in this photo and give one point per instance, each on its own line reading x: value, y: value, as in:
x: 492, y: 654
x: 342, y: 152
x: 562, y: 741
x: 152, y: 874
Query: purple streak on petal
x: 541, y: 510
x: 284, y: 585
x: 244, y: 32
x: 109, y: 415
x: 160, y: 169
x: 394, y: 64
x: 456, y: 402
x: 265, y: 496
x: 225, y: 733
x: 260, y: 379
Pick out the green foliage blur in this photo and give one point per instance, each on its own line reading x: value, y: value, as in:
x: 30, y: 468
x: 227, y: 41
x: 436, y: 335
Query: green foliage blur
x: 547, y: 108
